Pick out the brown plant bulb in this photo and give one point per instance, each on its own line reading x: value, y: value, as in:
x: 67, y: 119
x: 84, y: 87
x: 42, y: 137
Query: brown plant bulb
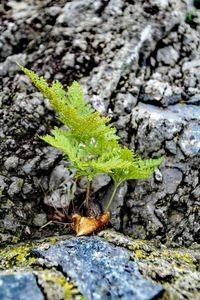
x: 86, y: 225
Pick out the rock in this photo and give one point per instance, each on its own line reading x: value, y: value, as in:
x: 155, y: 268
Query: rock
x: 100, y: 181
x: 16, y: 186
x: 191, y: 64
x: 171, y: 179
x: 124, y: 103
x: 158, y: 175
x: 115, y: 50
x: 69, y: 60
x: 40, y: 219
x: 109, y: 270
x: 50, y: 156
x: 98, y: 104
x: 81, y: 12
x: 80, y: 43
x: 190, y: 140
x: 20, y: 287
x: 194, y: 99
x: 9, y: 66
x: 165, y: 124
x: 154, y: 90
x: 171, y: 147
x: 30, y: 165
x: 167, y: 55
x: 158, y: 261
x: 2, y: 183
x: 173, y: 129
x: 60, y: 185
x: 12, y: 220
x: 11, y: 163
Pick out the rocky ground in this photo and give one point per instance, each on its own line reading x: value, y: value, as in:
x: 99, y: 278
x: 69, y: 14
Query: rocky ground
x: 74, y: 268
x: 137, y: 60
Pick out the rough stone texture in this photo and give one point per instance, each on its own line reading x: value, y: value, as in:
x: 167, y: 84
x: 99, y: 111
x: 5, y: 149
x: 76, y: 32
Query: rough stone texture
x: 166, y: 205
x: 176, y: 270
x: 20, y: 287
x: 16, y: 260
x: 109, y: 271
x: 127, y: 55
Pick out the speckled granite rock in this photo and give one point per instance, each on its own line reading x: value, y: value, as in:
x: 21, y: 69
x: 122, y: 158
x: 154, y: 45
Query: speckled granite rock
x: 175, y: 269
x: 19, y: 287
x: 100, y: 270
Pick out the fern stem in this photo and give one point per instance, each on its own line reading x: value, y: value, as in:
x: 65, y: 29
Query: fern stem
x: 116, y: 185
x: 88, y: 194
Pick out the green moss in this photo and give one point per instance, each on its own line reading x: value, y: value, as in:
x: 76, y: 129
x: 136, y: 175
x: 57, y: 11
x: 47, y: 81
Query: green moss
x: 55, y: 284
x: 140, y: 254
x: 18, y: 258
x: 12, y: 256
x: 106, y: 237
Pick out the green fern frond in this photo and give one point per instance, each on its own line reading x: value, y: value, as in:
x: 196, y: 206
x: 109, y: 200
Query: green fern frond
x: 72, y: 109
x: 90, y: 141
x: 75, y: 97
x: 139, y: 169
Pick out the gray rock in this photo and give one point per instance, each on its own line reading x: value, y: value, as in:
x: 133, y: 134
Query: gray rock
x: 106, y: 77
x: 100, y: 181
x: 158, y: 175
x: 164, y: 124
x: 60, y: 185
x: 124, y: 103
x: 81, y: 12
x: 2, y: 183
x: 30, y: 165
x: 109, y: 271
x: 53, y: 10
x: 171, y: 147
x: 155, y: 89
x: 98, y: 104
x: 80, y: 43
x: 11, y: 163
x: 111, y: 48
x: 9, y: 66
x: 194, y: 99
x: 171, y: 179
x: 167, y: 55
x: 40, y: 219
x: 196, y: 192
x: 69, y: 60
x: 12, y: 219
x: 51, y: 154
x: 191, y: 64
x: 174, y: 129
x: 190, y: 140
x: 19, y: 287
x: 16, y: 186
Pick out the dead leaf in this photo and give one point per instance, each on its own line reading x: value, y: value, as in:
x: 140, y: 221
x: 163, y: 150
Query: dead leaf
x: 86, y: 225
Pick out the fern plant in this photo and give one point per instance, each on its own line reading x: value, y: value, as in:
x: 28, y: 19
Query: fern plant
x: 89, y: 140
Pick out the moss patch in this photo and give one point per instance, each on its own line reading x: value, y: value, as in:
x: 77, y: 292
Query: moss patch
x: 176, y: 269
x: 54, y: 285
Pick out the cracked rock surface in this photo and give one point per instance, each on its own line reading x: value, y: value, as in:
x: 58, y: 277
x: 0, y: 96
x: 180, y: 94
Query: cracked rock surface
x: 101, y: 271
x: 139, y: 61
x: 175, y: 271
